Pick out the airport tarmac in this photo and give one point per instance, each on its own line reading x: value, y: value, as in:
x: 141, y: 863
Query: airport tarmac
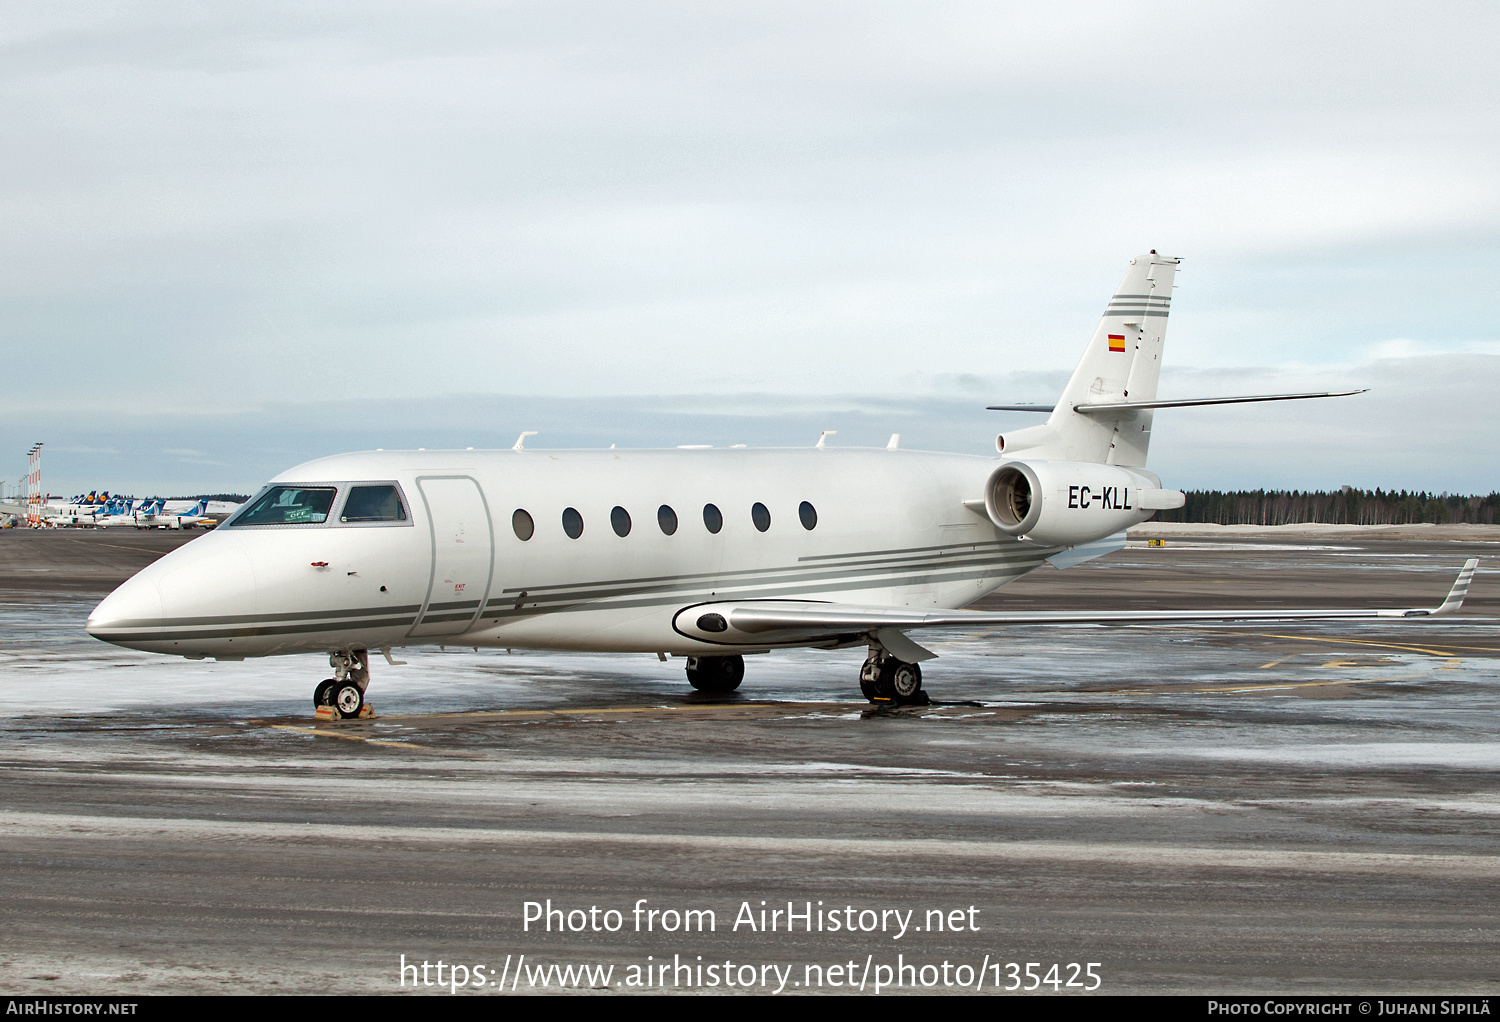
x: 1253, y: 809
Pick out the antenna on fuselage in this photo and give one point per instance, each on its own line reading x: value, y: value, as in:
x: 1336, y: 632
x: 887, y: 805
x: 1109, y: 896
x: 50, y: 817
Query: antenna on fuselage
x: 823, y: 437
x: 895, y: 442
x: 521, y: 440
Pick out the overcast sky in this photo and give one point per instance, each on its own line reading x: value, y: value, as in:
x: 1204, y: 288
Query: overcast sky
x: 242, y: 235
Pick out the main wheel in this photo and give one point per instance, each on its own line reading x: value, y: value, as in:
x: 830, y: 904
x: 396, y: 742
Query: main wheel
x: 906, y: 683
x: 348, y: 699
x: 323, y: 694
x: 715, y: 673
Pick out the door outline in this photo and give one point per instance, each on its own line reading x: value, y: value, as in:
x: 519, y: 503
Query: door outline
x: 432, y: 563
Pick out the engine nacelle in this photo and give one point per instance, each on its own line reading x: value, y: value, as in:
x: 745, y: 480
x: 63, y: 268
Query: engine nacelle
x: 1065, y: 503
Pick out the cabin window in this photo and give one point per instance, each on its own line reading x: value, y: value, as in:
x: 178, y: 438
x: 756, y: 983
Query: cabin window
x: 619, y: 520
x: 713, y: 518
x: 809, y: 516
x: 521, y: 522
x: 760, y: 515
x: 667, y: 519
x: 373, y: 504
x: 572, y: 522
x: 289, y: 505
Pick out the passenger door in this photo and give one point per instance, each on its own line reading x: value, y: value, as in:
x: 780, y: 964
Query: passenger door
x: 462, y: 555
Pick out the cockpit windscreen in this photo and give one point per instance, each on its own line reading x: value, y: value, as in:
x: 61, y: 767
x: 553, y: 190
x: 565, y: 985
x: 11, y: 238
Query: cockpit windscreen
x: 373, y: 504
x: 289, y: 505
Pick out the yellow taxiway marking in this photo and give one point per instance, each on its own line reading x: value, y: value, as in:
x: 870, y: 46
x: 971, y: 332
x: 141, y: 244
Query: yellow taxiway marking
x: 1384, y: 645
x: 1260, y: 688
x: 352, y: 738
x: 397, y: 744
x: 1278, y: 663
x: 610, y: 709
x: 1300, y: 684
x: 1320, y: 638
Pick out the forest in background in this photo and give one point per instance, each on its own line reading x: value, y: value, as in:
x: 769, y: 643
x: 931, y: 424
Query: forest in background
x: 1345, y: 506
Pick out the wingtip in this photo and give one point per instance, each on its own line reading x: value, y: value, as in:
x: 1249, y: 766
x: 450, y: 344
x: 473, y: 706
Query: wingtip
x: 1455, y: 598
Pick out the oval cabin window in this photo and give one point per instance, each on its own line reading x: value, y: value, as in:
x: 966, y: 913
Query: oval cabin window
x: 522, y: 523
x: 713, y: 519
x: 572, y: 522
x: 809, y: 516
x: 761, y: 516
x: 667, y: 519
x: 619, y: 520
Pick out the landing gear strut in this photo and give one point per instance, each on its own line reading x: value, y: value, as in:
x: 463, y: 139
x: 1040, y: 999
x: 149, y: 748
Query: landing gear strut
x: 888, y: 681
x: 715, y: 673
x: 345, y: 691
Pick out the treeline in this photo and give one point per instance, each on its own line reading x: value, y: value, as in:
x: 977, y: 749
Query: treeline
x: 1346, y: 506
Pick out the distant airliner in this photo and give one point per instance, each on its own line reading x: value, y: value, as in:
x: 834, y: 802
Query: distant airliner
x: 707, y: 554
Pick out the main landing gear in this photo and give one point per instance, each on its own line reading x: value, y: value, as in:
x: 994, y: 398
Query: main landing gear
x: 715, y: 673
x: 343, y: 695
x: 890, y: 682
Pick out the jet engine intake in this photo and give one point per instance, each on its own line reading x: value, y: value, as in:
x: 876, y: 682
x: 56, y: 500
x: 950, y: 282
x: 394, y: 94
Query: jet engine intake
x: 1065, y: 503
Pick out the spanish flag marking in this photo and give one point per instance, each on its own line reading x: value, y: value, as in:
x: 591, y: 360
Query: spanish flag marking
x: 1116, y: 342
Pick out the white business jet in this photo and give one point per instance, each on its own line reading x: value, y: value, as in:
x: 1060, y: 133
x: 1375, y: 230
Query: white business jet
x: 702, y: 554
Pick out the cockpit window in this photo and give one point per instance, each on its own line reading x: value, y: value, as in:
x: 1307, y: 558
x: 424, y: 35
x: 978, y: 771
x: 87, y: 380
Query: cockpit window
x: 373, y: 504
x: 289, y: 505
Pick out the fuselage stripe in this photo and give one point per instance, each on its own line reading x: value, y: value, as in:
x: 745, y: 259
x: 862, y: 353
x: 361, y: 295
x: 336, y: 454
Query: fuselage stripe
x: 834, y: 577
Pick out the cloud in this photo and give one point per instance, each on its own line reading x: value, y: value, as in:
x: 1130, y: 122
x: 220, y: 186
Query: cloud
x: 302, y: 204
x: 1427, y: 422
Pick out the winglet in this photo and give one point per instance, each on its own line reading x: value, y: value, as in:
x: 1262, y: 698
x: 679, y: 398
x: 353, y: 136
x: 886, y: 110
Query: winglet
x: 1460, y: 588
x: 521, y: 440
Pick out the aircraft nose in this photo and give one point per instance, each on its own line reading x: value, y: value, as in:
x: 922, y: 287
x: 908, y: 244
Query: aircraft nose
x: 199, y: 600
x: 134, y: 607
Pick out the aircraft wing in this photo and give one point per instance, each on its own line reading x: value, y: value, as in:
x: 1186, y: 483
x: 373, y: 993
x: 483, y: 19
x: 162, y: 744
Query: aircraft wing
x: 778, y: 622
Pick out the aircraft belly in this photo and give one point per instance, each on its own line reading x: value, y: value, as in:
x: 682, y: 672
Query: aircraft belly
x: 644, y: 623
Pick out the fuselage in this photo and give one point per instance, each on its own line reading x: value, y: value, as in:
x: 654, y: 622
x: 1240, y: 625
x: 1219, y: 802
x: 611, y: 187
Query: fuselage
x: 884, y: 527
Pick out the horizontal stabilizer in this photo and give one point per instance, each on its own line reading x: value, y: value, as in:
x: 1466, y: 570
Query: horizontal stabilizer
x: 1194, y: 402
x: 1190, y: 402
x: 804, y: 622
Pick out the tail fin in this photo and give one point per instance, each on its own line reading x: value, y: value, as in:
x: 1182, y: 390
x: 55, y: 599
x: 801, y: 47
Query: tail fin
x: 1121, y: 363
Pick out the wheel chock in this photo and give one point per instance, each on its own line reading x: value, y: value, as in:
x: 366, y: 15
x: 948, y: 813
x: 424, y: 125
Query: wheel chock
x: 331, y: 713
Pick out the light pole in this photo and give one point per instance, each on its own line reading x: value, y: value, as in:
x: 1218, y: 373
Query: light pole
x: 34, y: 485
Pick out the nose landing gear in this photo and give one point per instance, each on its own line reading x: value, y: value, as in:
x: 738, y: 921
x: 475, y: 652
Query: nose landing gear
x: 890, y: 682
x: 343, y: 695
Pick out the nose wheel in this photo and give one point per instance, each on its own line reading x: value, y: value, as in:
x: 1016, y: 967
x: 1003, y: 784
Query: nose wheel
x: 348, y: 700
x: 344, y: 694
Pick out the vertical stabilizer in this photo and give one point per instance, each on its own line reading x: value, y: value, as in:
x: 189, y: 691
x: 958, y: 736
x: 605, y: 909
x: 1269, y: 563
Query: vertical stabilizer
x: 1121, y: 363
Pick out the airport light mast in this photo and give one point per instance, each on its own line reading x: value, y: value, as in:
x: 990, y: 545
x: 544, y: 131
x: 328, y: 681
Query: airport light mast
x: 34, y: 486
